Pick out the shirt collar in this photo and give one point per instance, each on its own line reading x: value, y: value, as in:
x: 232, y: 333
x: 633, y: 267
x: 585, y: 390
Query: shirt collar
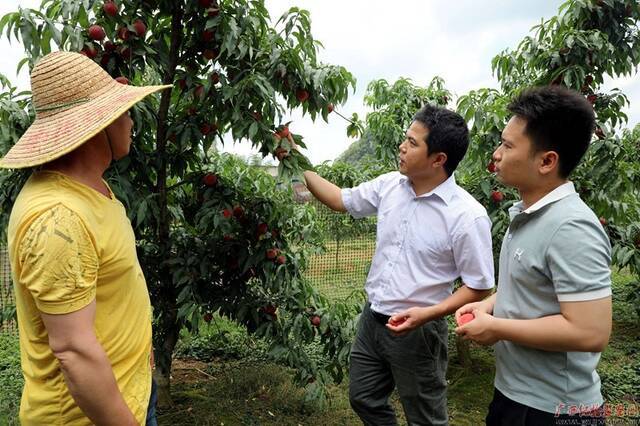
x: 445, y: 191
x: 557, y: 194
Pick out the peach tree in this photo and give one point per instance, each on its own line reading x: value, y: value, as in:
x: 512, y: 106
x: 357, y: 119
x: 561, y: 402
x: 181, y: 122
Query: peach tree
x: 213, y: 235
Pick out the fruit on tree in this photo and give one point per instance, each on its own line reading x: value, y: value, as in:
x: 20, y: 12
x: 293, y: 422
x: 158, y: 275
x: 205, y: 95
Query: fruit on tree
x: 262, y: 228
x: 96, y: 32
x: 122, y: 80
x: 123, y: 33
x: 497, y: 196
x: 592, y: 99
x: 227, y: 213
x: 205, y: 3
x: 210, y: 179
x: 109, y: 46
x: 140, y: 27
x: 600, y: 133
x: 491, y: 167
x: 465, y: 318
x: 89, y: 51
x: 330, y: 107
x: 215, y: 78
x: 238, y: 212
x: 104, y: 61
x: 125, y: 53
x: 207, y: 317
x: 315, y: 320
x: 281, y: 260
x: 205, y: 129
x: 207, y: 35
x: 110, y: 8
x: 272, y: 253
x: 302, y: 95
x: 280, y: 153
x: 210, y: 54
x: 603, y: 221
x: 284, y: 133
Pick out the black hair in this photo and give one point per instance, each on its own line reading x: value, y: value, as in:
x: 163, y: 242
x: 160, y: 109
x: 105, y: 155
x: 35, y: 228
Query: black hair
x: 448, y: 133
x: 558, y: 119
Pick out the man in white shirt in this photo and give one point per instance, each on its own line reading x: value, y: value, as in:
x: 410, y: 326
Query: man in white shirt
x: 430, y: 232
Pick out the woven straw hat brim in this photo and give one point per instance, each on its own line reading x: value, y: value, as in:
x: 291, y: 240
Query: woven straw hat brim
x: 52, y: 136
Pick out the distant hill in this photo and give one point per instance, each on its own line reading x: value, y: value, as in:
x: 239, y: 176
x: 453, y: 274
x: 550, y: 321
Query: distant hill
x: 360, y: 151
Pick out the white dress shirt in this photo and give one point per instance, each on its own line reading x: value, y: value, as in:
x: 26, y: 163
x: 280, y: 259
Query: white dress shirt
x: 423, y: 243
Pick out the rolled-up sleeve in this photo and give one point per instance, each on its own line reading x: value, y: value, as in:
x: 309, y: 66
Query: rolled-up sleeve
x: 364, y: 199
x: 473, y: 254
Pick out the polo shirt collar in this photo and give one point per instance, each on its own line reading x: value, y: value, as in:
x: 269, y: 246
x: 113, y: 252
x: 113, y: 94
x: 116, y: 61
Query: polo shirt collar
x: 445, y: 191
x: 557, y: 194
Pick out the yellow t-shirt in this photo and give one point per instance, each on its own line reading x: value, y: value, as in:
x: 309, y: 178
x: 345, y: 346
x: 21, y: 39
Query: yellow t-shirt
x: 69, y: 245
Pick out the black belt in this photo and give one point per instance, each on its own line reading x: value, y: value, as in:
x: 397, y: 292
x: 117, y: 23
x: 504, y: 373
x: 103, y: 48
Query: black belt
x: 381, y: 318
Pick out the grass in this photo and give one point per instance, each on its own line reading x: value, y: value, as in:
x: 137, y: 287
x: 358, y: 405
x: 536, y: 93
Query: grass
x: 11, y: 381
x: 257, y: 392
x: 240, y: 392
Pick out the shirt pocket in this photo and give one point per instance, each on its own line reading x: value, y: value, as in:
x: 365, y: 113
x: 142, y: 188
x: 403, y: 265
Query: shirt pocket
x: 432, y: 247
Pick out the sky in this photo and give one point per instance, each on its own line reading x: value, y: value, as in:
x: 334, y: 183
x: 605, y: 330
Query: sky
x: 418, y: 39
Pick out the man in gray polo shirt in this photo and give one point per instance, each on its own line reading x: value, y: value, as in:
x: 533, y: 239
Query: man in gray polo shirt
x: 430, y: 232
x: 552, y: 310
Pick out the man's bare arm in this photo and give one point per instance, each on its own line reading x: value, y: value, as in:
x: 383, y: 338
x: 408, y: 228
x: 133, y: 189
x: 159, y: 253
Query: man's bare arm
x: 86, y: 368
x: 326, y: 192
x: 415, y: 317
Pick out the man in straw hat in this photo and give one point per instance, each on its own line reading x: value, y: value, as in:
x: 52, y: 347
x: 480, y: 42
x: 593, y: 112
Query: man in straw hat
x: 83, y: 307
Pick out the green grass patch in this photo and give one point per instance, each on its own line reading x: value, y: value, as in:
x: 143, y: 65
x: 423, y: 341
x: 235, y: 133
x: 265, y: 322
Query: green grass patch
x: 11, y: 380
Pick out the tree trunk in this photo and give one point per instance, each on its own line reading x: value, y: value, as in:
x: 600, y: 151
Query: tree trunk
x: 164, y: 357
x: 464, y: 354
x: 168, y: 327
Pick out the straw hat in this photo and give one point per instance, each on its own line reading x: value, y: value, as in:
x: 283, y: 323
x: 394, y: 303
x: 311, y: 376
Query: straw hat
x: 74, y: 100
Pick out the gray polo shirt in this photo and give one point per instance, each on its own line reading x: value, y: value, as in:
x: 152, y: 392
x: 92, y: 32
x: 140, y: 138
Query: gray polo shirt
x: 555, y: 251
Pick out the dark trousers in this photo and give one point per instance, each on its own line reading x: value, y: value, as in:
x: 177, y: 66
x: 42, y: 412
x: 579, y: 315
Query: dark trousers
x: 415, y: 363
x: 151, y: 411
x: 506, y: 412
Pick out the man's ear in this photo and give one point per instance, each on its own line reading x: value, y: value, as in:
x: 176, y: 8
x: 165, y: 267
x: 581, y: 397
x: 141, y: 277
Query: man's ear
x: 440, y: 159
x: 549, y: 161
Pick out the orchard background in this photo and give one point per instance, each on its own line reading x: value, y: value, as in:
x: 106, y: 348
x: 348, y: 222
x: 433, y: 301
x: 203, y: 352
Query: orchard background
x: 227, y: 253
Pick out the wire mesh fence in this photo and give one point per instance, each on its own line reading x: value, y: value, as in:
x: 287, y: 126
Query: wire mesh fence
x: 7, y: 302
x: 340, y: 270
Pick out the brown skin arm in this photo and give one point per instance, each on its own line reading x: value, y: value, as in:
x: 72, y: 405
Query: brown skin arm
x: 580, y: 326
x: 412, y: 318
x: 86, y: 368
x: 326, y: 192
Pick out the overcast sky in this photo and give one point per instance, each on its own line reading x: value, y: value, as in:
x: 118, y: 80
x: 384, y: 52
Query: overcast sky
x: 418, y: 39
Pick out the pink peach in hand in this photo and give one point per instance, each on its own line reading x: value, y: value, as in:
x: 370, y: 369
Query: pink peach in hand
x: 465, y: 318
